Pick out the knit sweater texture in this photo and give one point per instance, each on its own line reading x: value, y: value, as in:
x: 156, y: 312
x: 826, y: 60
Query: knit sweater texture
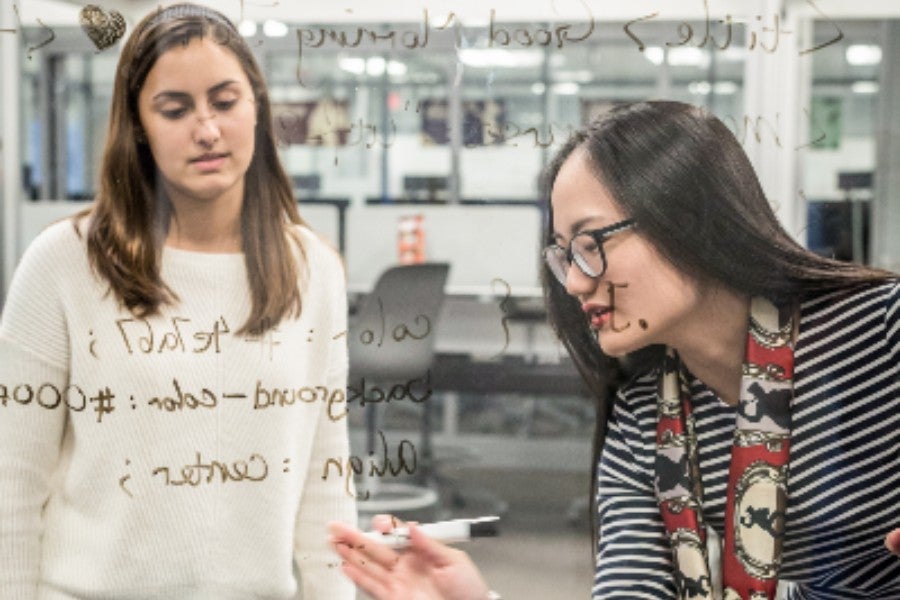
x: 169, y: 457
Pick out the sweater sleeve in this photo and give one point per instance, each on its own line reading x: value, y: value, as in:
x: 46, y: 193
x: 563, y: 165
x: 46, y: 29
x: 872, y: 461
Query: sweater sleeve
x: 327, y: 500
x: 634, y: 557
x: 33, y: 378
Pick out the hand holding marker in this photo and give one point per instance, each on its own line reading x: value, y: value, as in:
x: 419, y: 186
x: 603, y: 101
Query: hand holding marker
x: 448, y: 532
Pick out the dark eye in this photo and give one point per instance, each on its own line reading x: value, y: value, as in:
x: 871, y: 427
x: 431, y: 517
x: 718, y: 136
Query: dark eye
x: 586, y: 244
x: 223, y: 105
x: 173, y: 113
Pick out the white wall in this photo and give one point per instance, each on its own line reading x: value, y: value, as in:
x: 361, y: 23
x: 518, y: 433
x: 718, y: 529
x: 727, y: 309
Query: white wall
x: 38, y: 215
x: 481, y: 243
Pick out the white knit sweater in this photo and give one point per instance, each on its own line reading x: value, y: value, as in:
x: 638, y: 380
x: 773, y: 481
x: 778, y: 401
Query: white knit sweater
x: 169, y: 458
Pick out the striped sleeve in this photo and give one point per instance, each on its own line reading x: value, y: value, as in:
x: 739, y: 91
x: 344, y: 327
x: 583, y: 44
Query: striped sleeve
x: 633, y: 557
x: 892, y: 322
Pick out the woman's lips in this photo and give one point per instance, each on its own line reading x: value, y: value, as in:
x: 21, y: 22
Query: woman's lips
x: 597, y: 314
x: 209, y: 162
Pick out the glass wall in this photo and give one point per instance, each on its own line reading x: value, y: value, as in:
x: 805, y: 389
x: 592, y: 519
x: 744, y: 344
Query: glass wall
x: 66, y: 91
x: 453, y: 122
x: 840, y: 155
x: 380, y: 122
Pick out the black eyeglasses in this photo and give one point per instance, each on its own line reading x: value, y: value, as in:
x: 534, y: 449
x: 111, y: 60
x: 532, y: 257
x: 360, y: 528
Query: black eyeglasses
x: 585, y: 250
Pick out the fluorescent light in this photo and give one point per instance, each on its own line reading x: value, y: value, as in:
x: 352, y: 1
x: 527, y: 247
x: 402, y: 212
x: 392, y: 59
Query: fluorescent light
x: 568, y: 88
x: 582, y: 76
x: 247, y: 28
x: 538, y: 88
x: 395, y: 67
x: 685, y: 56
x: 375, y: 66
x: 863, y: 54
x: 724, y: 88
x: 354, y: 65
x: 699, y: 88
x: 704, y: 88
x: 655, y: 54
x: 275, y: 29
x: 498, y: 57
x: 865, y: 87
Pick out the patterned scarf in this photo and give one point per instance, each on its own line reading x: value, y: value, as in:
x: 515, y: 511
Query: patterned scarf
x: 757, y: 479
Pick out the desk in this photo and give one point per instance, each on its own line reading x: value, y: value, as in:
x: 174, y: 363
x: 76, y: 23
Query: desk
x: 463, y: 373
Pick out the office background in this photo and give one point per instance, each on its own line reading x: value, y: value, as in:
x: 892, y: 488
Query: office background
x: 434, y: 119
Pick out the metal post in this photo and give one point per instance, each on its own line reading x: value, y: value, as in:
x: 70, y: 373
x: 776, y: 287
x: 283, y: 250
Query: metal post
x: 775, y: 63
x: 885, y: 215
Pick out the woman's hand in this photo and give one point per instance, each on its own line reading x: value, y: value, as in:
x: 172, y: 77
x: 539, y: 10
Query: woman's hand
x: 426, y: 570
x: 892, y: 541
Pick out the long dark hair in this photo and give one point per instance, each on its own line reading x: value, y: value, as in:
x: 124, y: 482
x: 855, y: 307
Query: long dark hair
x: 131, y: 213
x: 683, y: 176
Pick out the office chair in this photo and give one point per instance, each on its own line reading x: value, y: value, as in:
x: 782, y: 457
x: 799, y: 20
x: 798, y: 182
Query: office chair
x: 392, y: 341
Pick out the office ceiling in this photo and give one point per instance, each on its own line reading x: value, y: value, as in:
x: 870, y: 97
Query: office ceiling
x: 59, y: 12
x: 613, y: 56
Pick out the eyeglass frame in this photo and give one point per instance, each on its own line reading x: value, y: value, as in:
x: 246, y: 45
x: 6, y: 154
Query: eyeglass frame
x: 600, y: 236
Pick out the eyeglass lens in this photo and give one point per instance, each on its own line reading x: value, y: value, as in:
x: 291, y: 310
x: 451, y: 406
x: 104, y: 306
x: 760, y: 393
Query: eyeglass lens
x: 586, y: 253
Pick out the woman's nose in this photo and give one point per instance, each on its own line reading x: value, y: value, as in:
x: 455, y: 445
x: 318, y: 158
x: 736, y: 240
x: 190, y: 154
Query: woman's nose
x: 206, y: 131
x: 579, y: 284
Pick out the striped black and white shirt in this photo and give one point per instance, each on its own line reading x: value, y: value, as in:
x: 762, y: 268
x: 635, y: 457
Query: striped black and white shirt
x: 844, y: 485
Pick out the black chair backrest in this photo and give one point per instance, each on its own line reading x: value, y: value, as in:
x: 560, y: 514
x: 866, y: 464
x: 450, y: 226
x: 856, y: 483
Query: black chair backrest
x: 392, y: 336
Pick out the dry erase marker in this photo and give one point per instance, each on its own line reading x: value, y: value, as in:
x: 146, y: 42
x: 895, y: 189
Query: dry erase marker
x: 448, y: 532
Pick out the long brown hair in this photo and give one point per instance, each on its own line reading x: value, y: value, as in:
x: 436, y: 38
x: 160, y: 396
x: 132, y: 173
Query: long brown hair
x: 681, y: 174
x: 130, y: 215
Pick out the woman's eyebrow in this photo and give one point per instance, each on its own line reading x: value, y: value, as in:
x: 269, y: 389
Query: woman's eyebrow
x: 184, y: 96
x: 220, y: 86
x: 576, y: 227
x: 171, y: 95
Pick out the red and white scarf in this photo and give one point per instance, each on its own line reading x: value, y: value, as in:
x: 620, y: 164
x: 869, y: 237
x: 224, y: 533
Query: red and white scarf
x: 757, y: 480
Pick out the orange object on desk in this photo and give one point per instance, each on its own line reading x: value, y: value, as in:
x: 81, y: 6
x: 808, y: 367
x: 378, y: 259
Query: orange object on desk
x: 411, y: 239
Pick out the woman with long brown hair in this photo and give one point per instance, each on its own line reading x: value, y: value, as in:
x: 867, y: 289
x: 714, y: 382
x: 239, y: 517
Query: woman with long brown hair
x: 762, y: 444
x: 173, y: 360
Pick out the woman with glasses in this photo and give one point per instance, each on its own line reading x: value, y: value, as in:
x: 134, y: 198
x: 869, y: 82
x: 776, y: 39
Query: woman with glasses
x: 166, y: 357
x: 763, y: 443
